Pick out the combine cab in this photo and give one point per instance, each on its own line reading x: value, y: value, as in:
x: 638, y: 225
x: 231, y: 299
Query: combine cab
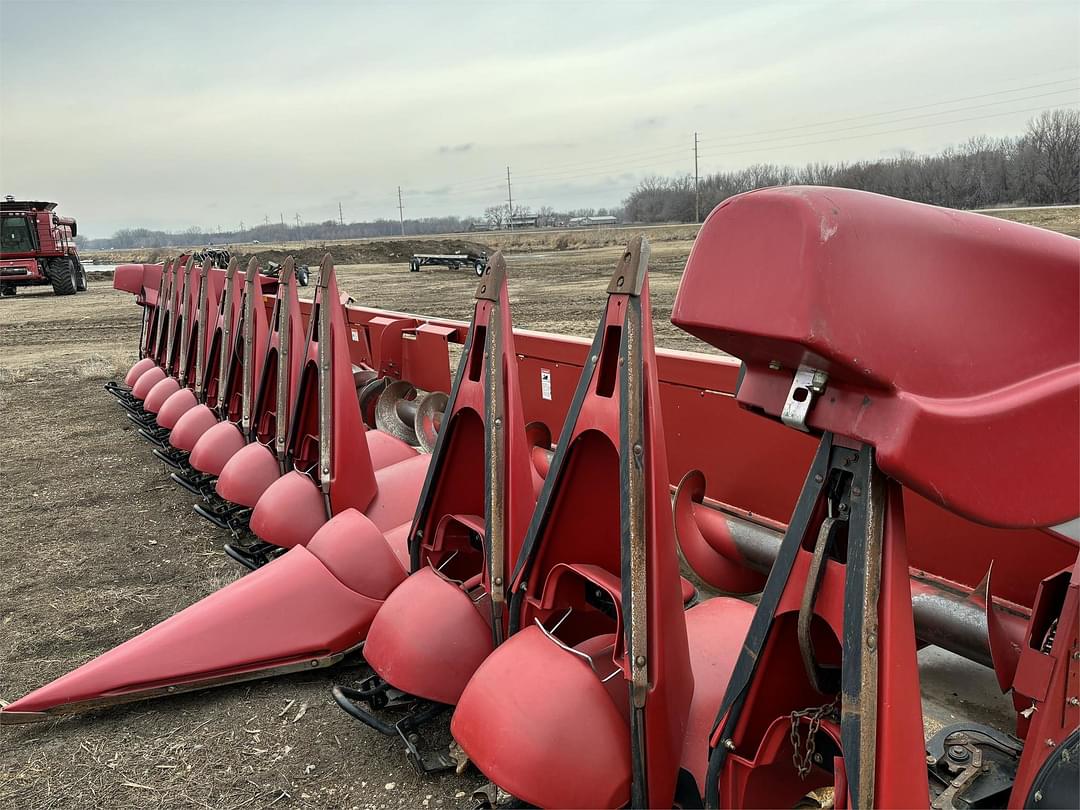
x: 38, y: 247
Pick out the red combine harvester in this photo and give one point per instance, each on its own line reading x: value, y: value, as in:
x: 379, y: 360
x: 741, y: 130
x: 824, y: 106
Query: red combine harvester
x: 38, y: 247
x: 888, y: 456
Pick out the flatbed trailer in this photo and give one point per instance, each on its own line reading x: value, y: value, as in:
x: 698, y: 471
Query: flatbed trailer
x: 478, y: 261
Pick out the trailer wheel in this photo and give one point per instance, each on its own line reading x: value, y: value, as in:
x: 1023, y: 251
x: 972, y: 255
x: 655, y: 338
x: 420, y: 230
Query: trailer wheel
x: 80, y: 280
x: 479, y: 267
x: 63, y: 276
x: 302, y: 276
x: 414, y: 266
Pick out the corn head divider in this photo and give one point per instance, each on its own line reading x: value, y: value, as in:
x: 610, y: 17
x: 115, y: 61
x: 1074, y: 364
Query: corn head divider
x: 218, y: 315
x: 864, y: 464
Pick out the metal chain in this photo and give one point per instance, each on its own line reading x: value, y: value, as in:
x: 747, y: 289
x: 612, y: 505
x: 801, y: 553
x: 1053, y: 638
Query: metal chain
x: 804, y: 761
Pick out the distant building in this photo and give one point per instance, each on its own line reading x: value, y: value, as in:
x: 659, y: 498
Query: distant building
x: 593, y: 222
x: 601, y: 222
x: 523, y: 221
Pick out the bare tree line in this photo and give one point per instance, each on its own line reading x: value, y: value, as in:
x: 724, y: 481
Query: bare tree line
x: 328, y: 230
x: 304, y: 232
x: 1040, y: 167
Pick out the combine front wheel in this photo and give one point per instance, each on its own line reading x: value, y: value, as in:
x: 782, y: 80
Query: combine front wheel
x: 63, y: 276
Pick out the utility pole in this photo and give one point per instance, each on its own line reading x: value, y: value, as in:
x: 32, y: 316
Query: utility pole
x: 298, y: 220
x: 241, y: 226
x: 697, y: 187
x: 509, y: 202
x: 282, y: 213
x: 340, y: 217
x: 401, y: 210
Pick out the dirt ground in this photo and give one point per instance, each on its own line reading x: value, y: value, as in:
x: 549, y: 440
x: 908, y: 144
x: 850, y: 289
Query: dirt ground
x: 99, y: 545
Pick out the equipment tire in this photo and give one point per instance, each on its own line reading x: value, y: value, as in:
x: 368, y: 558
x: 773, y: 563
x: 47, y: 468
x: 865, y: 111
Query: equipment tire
x: 414, y: 266
x: 480, y: 266
x: 80, y: 276
x: 62, y: 275
x: 302, y: 276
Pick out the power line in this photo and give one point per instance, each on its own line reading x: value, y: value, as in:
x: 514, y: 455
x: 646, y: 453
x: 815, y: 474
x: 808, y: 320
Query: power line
x: 563, y: 170
x: 897, y: 110
x: 509, y: 199
x: 908, y: 117
x: 697, y: 187
x: 728, y: 144
x: 901, y: 129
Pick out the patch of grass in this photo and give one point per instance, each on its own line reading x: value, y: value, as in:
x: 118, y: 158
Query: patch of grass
x: 13, y: 375
x: 100, y: 367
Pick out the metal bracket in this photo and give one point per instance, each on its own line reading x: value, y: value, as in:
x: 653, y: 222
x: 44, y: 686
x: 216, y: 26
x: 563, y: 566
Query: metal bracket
x: 807, y: 384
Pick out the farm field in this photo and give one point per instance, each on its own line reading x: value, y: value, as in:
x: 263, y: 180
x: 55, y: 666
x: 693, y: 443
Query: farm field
x: 99, y: 545
x: 1065, y: 219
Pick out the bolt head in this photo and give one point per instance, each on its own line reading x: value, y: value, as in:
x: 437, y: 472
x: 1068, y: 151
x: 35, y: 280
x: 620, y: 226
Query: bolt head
x: 958, y: 752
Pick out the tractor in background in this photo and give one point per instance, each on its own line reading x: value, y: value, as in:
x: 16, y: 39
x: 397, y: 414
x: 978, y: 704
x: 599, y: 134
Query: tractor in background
x: 38, y: 247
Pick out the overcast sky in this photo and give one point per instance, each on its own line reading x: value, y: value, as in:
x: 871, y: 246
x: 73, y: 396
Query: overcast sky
x: 167, y: 115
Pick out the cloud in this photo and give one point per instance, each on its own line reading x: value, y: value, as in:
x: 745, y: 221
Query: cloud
x: 458, y: 149
x: 650, y: 122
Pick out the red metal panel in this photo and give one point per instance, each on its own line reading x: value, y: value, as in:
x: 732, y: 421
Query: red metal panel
x: 949, y: 338
x: 129, y: 278
x: 292, y: 611
x: 426, y: 357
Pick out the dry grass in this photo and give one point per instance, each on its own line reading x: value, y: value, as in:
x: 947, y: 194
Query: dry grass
x: 99, y: 367
x: 1063, y: 220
